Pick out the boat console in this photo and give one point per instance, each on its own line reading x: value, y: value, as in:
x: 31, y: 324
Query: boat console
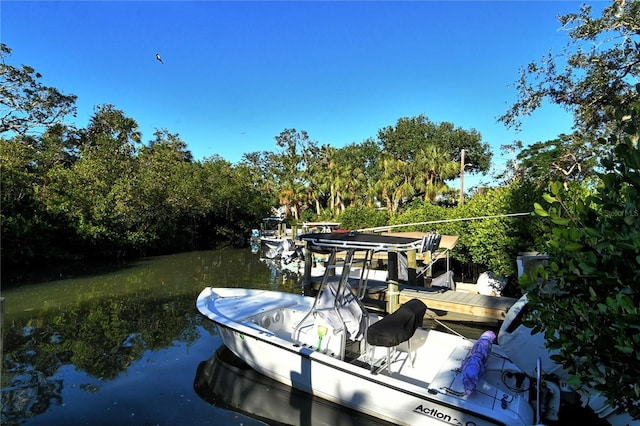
x: 339, y: 308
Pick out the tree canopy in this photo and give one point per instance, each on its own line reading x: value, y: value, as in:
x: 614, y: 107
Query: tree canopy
x: 25, y: 103
x: 587, y: 299
x: 597, y: 69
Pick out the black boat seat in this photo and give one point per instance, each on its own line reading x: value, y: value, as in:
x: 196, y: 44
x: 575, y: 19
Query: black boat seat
x: 396, y: 328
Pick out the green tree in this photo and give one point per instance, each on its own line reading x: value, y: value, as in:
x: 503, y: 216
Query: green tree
x: 29, y: 230
x: 234, y: 205
x: 432, y: 150
x: 96, y: 193
x: 566, y: 158
x: 494, y: 243
x: 360, y: 217
x: 409, y: 135
x: 20, y: 207
x: 25, y: 103
x: 350, y: 177
x: 320, y: 179
x: 165, y: 200
x: 587, y: 300
x: 596, y: 70
x: 432, y: 167
x: 32, y: 142
x: 260, y: 169
x: 298, y: 151
x: 395, y: 185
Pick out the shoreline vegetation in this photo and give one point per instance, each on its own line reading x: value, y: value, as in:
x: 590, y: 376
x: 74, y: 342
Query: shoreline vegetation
x: 101, y: 192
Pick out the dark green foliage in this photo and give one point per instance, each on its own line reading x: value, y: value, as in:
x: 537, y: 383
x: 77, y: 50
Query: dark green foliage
x: 99, y: 195
x: 409, y: 136
x: 493, y: 243
x: 567, y: 158
x: 362, y: 217
x: 587, y: 301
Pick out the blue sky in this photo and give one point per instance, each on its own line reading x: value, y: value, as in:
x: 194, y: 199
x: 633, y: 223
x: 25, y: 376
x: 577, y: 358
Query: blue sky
x: 236, y: 74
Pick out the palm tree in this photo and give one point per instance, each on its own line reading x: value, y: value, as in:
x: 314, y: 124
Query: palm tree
x: 431, y: 168
x: 395, y: 184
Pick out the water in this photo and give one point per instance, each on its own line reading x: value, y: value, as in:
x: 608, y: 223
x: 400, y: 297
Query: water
x: 123, y: 344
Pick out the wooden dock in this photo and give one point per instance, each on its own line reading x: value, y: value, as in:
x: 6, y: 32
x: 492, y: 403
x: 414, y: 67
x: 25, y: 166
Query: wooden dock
x: 460, y: 304
x: 448, y: 305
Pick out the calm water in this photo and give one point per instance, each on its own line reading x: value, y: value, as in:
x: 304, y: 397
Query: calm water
x: 123, y: 344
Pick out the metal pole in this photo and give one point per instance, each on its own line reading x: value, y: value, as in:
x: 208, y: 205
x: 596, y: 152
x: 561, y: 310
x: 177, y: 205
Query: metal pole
x: 431, y: 222
x: 308, y: 263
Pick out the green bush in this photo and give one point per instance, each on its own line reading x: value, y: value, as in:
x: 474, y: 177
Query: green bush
x: 587, y: 300
x: 360, y: 217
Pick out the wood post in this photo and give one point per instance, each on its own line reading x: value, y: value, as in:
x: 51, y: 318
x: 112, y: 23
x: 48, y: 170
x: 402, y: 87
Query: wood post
x: 411, y: 266
x: 392, y: 285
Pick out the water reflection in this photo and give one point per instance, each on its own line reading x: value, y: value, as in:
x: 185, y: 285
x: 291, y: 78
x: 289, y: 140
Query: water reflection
x: 96, y: 328
x: 226, y: 381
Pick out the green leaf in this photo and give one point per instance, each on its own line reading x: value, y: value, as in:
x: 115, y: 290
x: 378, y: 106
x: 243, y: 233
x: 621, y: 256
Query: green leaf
x: 560, y: 221
x: 555, y: 187
x: 537, y: 209
x: 587, y: 269
x: 625, y: 301
x: 548, y: 198
x: 574, y: 381
x: 624, y: 349
x: 573, y: 246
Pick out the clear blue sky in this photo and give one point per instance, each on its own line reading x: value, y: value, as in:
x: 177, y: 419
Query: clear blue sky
x: 236, y: 74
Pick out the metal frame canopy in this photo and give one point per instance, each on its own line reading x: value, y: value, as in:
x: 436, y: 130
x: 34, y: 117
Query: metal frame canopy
x: 360, y: 241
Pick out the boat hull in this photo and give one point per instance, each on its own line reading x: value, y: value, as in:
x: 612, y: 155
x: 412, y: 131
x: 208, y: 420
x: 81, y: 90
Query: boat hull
x: 228, y: 382
x: 414, y: 402
x: 352, y: 390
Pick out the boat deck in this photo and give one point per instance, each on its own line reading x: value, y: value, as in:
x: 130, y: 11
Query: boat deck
x: 426, y: 364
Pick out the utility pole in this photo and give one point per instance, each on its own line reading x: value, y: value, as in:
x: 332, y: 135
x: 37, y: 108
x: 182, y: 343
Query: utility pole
x: 461, y: 176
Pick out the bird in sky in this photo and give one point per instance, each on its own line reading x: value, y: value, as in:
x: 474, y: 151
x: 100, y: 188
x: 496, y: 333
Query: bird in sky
x: 159, y: 58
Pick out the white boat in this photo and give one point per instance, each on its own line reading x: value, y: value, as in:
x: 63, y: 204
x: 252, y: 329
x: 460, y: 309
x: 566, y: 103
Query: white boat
x: 387, y: 367
x: 271, y: 233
